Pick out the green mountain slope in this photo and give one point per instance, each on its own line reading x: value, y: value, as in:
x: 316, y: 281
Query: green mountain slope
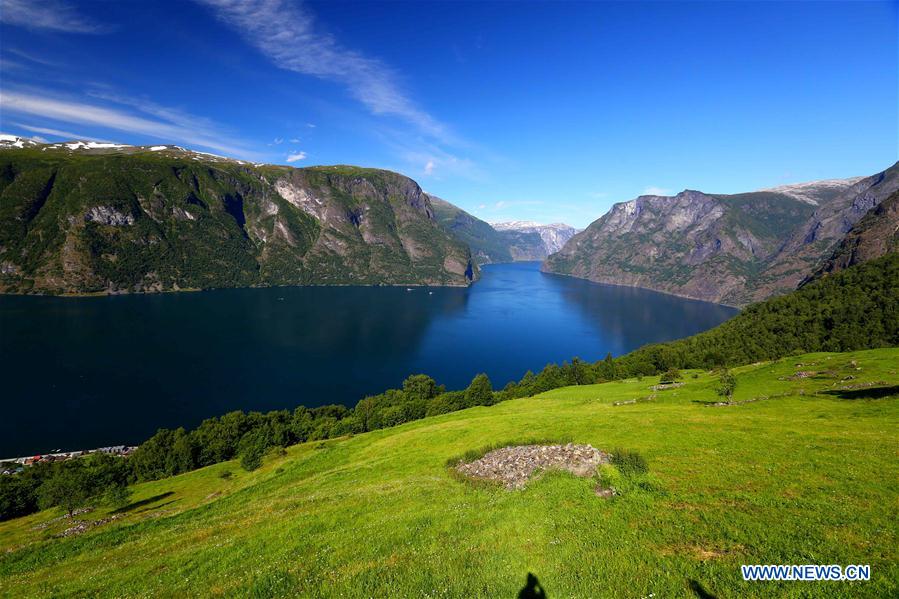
x: 487, y: 245
x: 130, y: 219
x: 805, y: 473
x: 733, y: 249
x: 856, y: 308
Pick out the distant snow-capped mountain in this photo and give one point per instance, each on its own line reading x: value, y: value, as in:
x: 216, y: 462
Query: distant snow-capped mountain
x: 553, y: 236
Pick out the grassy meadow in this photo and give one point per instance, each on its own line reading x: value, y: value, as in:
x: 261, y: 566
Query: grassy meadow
x: 806, y: 473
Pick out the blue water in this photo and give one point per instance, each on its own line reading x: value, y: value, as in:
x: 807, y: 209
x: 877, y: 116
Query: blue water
x: 87, y: 372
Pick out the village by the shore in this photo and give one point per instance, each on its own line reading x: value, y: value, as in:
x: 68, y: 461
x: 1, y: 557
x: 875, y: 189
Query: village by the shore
x: 14, y: 465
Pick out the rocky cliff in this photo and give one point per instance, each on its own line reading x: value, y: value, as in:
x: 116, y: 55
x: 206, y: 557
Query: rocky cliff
x: 875, y: 235
x: 733, y: 249
x: 84, y: 217
x: 532, y: 241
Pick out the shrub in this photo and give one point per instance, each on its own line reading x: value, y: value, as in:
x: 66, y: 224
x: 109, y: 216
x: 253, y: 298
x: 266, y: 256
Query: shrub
x: 726, y: 384
x: 669, y: 376
x: 251, y: 449
x: 610, y: 478
x: 629, y: 462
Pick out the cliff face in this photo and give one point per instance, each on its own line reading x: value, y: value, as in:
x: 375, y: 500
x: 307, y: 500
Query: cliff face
x: 733, y: 249
x: 534, y: 241
x: 813, y: 242
x: 874, y: 235
x: 82, y: 219
x: 693, y: 244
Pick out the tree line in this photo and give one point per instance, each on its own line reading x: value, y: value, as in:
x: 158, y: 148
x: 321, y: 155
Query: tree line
x: 855, y: 309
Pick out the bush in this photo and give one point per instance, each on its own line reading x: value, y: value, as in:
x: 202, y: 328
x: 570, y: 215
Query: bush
x: 726, y: 384
x: 629, y: 462
x: 251, y: 449
x: 669, y: 376
x: 610, y: 478
x: 479, y: 392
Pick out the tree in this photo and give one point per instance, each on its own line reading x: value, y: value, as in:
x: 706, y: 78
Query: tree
x: 420, y: 387
x: 726, y: 384
x: 669, y: 376
x: 70, y: 487
x: 251, y: 449
x: 479, y: 392
x: 606, y: 369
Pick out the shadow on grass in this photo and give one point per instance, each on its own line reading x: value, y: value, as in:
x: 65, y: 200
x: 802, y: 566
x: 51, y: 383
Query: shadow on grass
x: 532, y: 589
x: 869, y: 393
x: 133, y: 506
x: 700, y: 591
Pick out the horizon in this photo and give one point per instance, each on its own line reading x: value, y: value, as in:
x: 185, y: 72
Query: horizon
x: 551, y: 133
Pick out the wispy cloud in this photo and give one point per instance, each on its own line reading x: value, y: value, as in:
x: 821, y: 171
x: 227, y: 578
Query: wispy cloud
x: 32, y: 57
x: 57, y: 132
x: 296, y: 156
x: 286, y: 33
x: 429, y: 168
x: 48, y: 14
x: 150, y: 119
x: 656, y: 191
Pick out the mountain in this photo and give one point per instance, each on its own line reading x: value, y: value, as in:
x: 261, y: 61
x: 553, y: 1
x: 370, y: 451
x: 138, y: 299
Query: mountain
x: 532, y: 241
x: 814, y: 241
x: 501, y: 242
x: 876, y: 234
x: 487, y: 244
x: 734, y: 249
x: 89, y: 217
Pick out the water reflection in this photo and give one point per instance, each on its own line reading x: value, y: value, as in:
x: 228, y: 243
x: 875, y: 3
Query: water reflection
x: 94, y: 371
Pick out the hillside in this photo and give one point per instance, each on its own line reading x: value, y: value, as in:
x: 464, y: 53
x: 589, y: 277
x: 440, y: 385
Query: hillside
x: 875, y: 235
x: 856, y: 308
x: 487, y: 244
x: 806, y: 473
x: 84, y: 217
x: 732, y: 249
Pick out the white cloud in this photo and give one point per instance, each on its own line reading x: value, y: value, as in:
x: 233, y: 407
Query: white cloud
x: 296, y: 156
x: 429, y: 167
x: 47, y: 14
x: 167, y: 124
x: 278, y: 141
x: 294, y: 140
x: 286, y: 33
x: 57, y: 132
x: 310, y: 125
x: 656, y: 191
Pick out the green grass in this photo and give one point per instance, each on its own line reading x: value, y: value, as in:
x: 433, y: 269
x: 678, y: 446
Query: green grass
x: 805, y: 476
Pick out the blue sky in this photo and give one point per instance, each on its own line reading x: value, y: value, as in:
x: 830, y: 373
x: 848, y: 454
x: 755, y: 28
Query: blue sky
x: 547, y: 112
